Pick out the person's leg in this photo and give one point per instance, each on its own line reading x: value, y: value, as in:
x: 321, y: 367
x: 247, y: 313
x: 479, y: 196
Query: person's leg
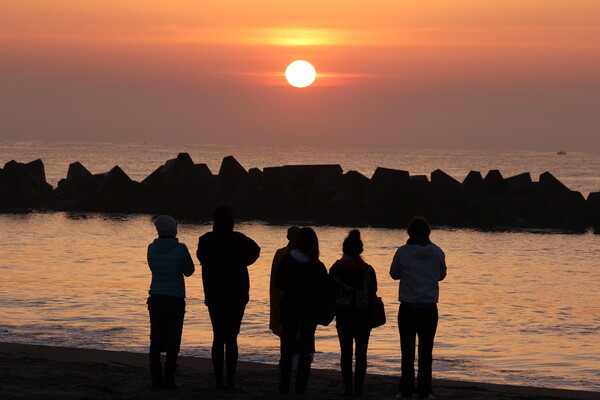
x: 428, y: 321
x: 218, y: 345
x: 235, y: 316
x: 362, y: 344
x: 288, y: 347
x: 157, y: 341
x: 406, y: 326
x: 346, y: 348
x: 174, y: 330
x: 307, y: 347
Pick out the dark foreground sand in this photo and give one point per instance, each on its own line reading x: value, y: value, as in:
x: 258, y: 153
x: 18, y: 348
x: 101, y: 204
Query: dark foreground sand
x: 41, y: 372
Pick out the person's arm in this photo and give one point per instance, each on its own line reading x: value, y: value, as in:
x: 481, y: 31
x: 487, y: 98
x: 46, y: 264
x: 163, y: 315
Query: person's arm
x: 245, y: 250
x: 443, y: 266
x: 281, y: 277
x: 443, y: 269
x: 200, y: 250
x: 188, y: 264
x: 373, y: 282
x: 396, y: 267
x: 274, y: 266
x: 148, y: 257
x: 252, y: 251
x: 325, y: 280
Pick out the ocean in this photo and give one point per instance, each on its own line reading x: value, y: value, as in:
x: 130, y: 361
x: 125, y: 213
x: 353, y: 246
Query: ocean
x: 517, y: 307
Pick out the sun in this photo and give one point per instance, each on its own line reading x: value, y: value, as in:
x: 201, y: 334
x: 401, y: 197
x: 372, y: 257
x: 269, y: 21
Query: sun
x: 300, y: 74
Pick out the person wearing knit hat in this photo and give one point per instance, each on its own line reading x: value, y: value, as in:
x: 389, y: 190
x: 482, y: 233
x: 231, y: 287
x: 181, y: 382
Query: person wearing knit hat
x: 355, y: 288
x: 169, y: 260
x: 166, y: 226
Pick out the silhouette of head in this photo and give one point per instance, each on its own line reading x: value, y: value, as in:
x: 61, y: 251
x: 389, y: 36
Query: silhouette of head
x: 353, y: 246
x: 223, y: 220
x: 166, y: 226
x: 418, y: 228
x: 292, y: 232
x: 308, y: 243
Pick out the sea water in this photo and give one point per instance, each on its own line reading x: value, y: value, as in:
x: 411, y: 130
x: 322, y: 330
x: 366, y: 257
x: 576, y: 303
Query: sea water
x: 517, y: 307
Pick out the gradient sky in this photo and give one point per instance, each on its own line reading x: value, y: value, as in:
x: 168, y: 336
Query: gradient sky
x: 473, y: 74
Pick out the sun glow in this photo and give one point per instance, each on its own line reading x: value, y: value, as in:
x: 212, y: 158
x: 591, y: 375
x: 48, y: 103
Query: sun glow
x: 300, y: 74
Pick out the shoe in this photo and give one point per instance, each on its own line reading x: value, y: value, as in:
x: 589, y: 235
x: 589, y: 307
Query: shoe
x: 156, y: 374
x: 429, y: 397
x: 400, y: 397
x: 171, y: 382
x: 303, y: 374
x: 170, y: 378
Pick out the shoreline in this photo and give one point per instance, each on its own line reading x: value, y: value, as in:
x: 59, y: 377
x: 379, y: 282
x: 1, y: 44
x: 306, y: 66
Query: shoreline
x: 35, y: 371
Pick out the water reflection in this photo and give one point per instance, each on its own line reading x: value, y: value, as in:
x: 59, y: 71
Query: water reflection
x: 516, y: 307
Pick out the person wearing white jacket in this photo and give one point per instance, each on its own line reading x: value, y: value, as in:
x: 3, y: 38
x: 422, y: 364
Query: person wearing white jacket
x: 419, y: 265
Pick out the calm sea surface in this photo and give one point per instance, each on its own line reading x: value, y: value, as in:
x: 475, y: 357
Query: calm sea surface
x: 516, y: 307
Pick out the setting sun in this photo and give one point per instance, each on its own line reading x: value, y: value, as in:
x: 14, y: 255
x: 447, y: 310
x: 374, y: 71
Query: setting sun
x: 300, y: 74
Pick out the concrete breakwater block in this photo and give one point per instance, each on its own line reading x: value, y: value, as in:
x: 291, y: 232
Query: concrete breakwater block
x: 312, y: 194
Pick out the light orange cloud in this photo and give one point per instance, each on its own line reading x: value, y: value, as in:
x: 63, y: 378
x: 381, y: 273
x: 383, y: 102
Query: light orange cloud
x: 380, y: 65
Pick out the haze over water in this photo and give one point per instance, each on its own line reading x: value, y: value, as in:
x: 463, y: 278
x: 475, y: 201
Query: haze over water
x: 516, y: 307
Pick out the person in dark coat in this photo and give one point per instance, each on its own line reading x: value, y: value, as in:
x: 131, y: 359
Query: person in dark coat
x: 225, y: 256
x: 303, y: 280
x: 355, y: 287
x: 274, y: 293
x: 169, y: 262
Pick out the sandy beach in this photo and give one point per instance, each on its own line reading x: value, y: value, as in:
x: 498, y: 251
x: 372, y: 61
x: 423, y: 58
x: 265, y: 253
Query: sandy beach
x: 44, y: 372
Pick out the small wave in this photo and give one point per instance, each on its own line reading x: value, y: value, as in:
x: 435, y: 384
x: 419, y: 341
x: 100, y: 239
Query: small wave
x: 115, y: 329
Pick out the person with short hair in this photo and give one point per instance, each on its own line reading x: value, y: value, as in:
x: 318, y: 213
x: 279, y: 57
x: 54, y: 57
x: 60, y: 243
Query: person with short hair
x: 169, y: 260
x: 419, y: 265
x: 225, y: 256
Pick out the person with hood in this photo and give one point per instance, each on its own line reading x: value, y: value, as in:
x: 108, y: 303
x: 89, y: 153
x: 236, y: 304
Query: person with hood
x: 303, y: 280
x: 169, y: 260
x: 225, y: 256
x: 419, y: 265
x: 274, y: 293
x: 355, y: 288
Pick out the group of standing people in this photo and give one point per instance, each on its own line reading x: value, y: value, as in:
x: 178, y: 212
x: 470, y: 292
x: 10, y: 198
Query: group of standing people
x: 299, y: 283
x: 301, y: 292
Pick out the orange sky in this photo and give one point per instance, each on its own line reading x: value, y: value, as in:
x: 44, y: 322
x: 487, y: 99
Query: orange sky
x: 460, y: 74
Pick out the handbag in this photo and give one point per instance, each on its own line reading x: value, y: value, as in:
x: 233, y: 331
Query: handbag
x: 326, y: 310
x: 377, y: 313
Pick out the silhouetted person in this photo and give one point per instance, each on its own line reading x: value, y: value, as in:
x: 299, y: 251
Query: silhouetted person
x: 274, y: 292
x: 169, y: 262
x: 303, y: 280
x: 355, y: 287
x: 225, y: 256
x: 419, y: 265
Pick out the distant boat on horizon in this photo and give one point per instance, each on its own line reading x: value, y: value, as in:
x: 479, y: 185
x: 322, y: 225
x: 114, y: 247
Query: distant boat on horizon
x: 561, y: 153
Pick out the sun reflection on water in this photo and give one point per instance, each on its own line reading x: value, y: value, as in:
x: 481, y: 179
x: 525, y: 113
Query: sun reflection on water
x: 516, y: 307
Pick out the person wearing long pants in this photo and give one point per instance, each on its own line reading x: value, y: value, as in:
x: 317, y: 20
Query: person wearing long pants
x: 419, y: 265
x: 303, y: 280
x: 417, y: 320
x: 169, y: 262
x: 225, y: 256
x: 354, y: 285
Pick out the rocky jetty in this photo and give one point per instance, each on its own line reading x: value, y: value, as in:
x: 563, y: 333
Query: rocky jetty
x: 316, y: 194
